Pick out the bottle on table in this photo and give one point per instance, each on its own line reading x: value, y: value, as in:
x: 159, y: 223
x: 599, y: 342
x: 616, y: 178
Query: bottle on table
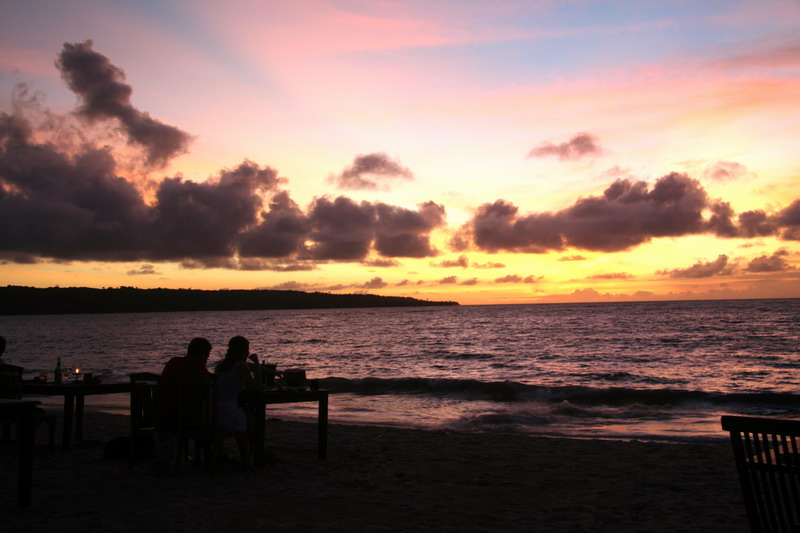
x: 58, y: 374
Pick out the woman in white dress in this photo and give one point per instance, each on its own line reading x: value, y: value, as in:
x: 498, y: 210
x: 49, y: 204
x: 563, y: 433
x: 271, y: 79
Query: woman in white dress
x: 235, y: 374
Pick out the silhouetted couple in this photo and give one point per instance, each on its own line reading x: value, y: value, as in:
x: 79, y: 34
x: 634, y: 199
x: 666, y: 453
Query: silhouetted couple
x: 239, y: 370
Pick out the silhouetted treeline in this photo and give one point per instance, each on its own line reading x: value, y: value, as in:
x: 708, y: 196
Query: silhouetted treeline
x: 56, y: 300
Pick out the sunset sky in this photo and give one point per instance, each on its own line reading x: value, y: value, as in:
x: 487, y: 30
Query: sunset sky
x: 482, y: 152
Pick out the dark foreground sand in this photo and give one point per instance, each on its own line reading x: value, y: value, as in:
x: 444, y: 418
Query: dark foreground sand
x: 384, y: 479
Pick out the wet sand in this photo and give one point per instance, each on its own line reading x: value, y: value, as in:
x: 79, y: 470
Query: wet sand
x: 383, y: 479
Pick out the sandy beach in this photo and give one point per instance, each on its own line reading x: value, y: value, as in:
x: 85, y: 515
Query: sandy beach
x: 384, y: 479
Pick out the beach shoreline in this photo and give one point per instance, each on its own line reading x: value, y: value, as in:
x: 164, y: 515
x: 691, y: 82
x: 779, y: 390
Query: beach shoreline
x: 385, y: 479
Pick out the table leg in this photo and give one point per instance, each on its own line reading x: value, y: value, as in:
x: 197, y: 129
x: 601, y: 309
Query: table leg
x: 69, y: 410
x: 259, y: 427
x: 79, y: 416
x: 322, y: 428
x: 26, y: 440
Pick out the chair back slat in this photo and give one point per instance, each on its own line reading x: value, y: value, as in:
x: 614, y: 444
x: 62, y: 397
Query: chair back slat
x: 767, y: 459
x: 144, y: 400
x: 144, y: 405
x: 197, y: 401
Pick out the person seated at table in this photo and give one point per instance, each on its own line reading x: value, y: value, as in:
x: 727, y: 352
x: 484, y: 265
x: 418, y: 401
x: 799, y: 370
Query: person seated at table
x: 41, y: 416
x: 195, y: 360
x: 2, y: 349
x: 236, y: 374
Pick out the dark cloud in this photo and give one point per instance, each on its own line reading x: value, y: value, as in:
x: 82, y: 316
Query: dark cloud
x: 381, y: 263
x: 19, y: 258
x: 401, y: 232
x: 722, y: 267
x: 721, y: 220
x: 204, y: 220
x: 718, y: 267
x: 582, y: 144
x: 628, y: 214
x: 497, y: 227
x: 789, y: 218
x: 448, y: 280
x: 727, y: 171
x: 774, y: 263
x: 374, y: 283
x: 76, y: 207
x: 342, y: 229
x: 370, y: 172
x: 756, y: 224
x: 751, y: 224
x: 460, y: 240
x: 461, y: 262
x: 612, y: 275
x: 66, y: 206
x: 280, y: 233
x: 469, y: 282
x: 100, y: 85
x: 291, y: 286
x: 275, y: 265
x: 292, y: 267
x: 488, y: 265
x: 406, y: 282
x: 143, y: 270
x: 515, y: 278
x: 209, y: 262
x: 336, y: 287
x: 67, y: 200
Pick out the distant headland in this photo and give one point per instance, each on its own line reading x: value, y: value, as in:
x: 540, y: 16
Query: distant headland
x: 15, y: 300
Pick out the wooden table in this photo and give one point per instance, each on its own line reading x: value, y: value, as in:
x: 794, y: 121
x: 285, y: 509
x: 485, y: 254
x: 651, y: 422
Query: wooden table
x: 259, y: 401
x: 74, y: 395
x: 23, y: 412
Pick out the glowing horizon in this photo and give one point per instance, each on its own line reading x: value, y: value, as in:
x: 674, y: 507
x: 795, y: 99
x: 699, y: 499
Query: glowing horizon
x: 506, y: 153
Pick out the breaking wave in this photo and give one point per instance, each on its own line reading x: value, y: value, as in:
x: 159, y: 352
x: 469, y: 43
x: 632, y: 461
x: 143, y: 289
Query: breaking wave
x: 510, y: 391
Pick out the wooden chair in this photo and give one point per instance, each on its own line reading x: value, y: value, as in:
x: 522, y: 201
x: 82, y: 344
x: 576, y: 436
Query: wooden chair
x: 144, y: 412
x: 11, y: 389
x: 197, y: 419
x: 767, y: 455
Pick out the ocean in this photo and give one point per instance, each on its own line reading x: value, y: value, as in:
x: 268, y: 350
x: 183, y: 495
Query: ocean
x: 661, y: 371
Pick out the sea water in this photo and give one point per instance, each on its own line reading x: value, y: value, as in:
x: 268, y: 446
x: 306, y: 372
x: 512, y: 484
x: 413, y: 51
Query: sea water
x: 649, y: 370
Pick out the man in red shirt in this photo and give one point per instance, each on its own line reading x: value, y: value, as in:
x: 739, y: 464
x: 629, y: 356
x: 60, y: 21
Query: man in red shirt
x: 194, y: 361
